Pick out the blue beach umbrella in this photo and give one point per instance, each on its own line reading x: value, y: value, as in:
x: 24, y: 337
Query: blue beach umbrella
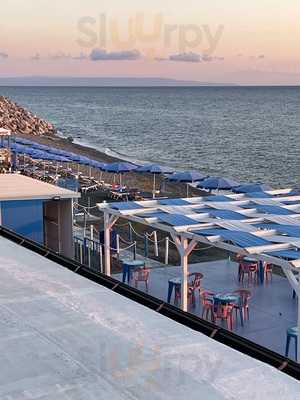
x: 74, y: 157
x: 155, y: 169
x: 98, y: 165
x: 84, y: 160
x: 120, y: 168
x: 39, y: 146
x: 217, y: 183
x: 24, y: 141
x: 38, y: 155
x: 59, y: 152
x: 187, y: 177
x: 252, y: 188
x: 29, y: 151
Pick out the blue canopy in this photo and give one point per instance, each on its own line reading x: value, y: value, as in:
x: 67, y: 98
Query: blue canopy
x: 216, y: 182
x: 155, y: 169
x: 251, y: 188
x: 119, y: 167
x: 187, y: 176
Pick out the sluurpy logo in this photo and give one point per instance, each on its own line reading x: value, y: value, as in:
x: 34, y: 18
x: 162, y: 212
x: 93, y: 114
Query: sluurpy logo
x: 152, y: 34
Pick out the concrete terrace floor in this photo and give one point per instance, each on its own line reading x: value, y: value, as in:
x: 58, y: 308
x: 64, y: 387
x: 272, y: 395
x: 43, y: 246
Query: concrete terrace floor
x: 272, y: 307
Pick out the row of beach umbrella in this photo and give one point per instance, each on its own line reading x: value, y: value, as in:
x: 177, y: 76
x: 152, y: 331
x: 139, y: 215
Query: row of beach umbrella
x: 43, y: 152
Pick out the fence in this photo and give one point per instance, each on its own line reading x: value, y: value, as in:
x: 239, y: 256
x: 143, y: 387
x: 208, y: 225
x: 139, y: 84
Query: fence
x: 89, y: 252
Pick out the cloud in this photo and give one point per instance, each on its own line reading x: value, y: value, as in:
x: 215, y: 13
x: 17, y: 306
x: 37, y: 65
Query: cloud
x: 259, y: 57
x: 207, y: 58
x: 3, y: 56
x: 59, y: 56
x: 190, y: 57
x: 185, y: 57
x: 103, y: 55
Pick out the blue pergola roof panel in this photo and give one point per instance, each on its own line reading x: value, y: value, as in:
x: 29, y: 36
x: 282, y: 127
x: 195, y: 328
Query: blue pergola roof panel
x: 174, y: 202
x: 177, y: 219
x: 276, y: 210
x: 289, y: 254
x: 226, y: 217
x: 242, y: 239
x: 123, y: 206
x: 227, y: 214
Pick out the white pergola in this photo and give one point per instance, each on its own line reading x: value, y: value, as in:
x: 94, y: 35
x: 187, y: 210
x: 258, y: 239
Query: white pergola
x: 265, y: 225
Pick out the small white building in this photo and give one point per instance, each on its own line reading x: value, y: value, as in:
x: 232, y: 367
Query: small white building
x: 38, y: 211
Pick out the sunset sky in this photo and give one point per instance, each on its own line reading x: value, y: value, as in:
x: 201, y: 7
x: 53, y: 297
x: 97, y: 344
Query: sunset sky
x: 232, y: 41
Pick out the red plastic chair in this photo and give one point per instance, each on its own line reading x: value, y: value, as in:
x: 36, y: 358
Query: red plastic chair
x: 251, y: 270
x: 245, y: 296
x: 194, y: 283
x: 141, y: 275
x: 224, y: 312
x: 268, y: 271
x: 207, y: 303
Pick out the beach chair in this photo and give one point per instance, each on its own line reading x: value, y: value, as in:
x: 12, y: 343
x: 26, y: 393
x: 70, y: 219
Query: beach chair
x: 245, y: 296
x: 141, y: 275
x: 207, y: 303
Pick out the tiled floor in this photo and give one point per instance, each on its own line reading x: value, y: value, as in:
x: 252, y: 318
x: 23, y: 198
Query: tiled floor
x: 272, y: 308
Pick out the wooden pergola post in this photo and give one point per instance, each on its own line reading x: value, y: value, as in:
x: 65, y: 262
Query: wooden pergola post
x: 184, y: 248
x: 109, y: 221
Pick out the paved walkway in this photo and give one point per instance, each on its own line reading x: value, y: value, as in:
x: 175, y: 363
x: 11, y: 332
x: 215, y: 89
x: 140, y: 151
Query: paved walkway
x: 272, y: 308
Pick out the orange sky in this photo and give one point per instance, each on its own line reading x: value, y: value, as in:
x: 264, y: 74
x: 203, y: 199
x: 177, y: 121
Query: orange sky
x: 231, y: 41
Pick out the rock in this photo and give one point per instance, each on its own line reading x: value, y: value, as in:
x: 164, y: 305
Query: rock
x: 20, y: 120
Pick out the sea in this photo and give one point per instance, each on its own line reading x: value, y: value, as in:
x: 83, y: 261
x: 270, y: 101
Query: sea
x: 250, y: 134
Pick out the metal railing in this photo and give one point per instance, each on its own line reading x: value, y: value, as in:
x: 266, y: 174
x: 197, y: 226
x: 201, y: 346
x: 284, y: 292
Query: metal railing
x: 89, y: 252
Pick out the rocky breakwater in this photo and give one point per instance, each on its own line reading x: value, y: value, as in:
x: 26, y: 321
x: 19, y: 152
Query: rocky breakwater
x: 21, y: 121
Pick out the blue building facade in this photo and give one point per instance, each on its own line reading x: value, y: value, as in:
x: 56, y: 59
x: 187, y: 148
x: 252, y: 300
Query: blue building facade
x: 24, y: 217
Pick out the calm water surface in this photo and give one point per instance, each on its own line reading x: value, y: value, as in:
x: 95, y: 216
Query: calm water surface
x: 251, y: 134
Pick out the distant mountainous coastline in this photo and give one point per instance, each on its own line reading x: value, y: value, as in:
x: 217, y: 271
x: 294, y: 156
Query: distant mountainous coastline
x: 100, y: 82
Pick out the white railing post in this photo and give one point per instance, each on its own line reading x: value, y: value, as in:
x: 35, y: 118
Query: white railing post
x: 167, y: 251
x: 101, y: 259
x: 155, y: 244
x: 118, y: 244
x: 184, y: 266
x: 107, y: 244
x: 92, y: 232
x: 80, y: 253
x: 89, y: 253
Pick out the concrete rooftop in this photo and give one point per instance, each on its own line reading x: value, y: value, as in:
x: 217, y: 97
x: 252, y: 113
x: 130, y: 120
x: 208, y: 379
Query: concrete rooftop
x: 65, y: 337
x: 20, y: 187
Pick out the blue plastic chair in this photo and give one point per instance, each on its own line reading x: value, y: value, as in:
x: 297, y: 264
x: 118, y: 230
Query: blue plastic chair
x: 291, y: 333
